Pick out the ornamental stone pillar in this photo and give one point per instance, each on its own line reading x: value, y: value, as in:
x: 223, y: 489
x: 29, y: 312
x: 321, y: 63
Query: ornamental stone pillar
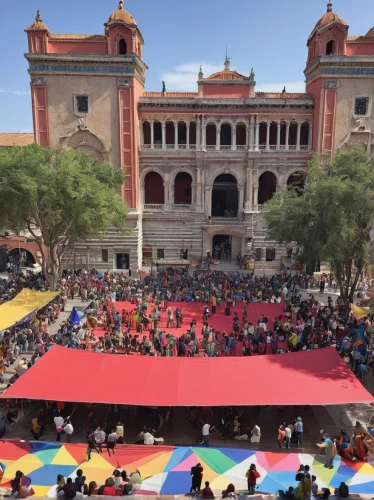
x: 198, y: 188
x: 310, y: 136
x: 298, y: 136
x: 175, y: 135
x: 233, y: 138
x: 257, y: 135
x: 278, y: 135
x: 218, y: 137
x: 267, y: 136
x: 152, y: 134
x: 188, y: 135
x: 198, y: 133
x: 287, y: 135
x: 249, y: 191
x: 241, y: 202
x: 163, y: 130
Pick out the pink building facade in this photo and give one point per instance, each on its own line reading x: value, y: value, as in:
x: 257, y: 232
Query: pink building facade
x: 217, y: 154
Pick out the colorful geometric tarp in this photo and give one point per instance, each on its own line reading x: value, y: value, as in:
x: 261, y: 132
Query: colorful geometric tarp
x: 166, y: 470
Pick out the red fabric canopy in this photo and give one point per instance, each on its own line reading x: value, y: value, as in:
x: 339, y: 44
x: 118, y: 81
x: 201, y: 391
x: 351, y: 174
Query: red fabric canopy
x: 305, y: 378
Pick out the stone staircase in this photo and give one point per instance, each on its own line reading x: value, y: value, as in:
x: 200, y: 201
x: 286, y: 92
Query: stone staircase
x: 174, y: 232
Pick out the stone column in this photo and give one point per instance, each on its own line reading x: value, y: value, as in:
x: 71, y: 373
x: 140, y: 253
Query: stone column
x: 218, y: 137
x: 241, y: 202
x: 188, y: 135
x: 255, y: 191
x: 298, y: 136
x: 267, y: 136
x: 251, y: 133
x: 141, y: 134
x: 167, y: 193
x: 257, y: 135
x: 248, y: 142
x: 203, y: 140
x: 163, y: 130
x: 175, y: 135
x: 198, y: 188
x: 208, y: 201
x: 198, y: 133
x: 233, y: 138
x: 287, y: 135
x: 142, y: 195
x: 249, y: 191
x: 152, y: 134
x: 193, y: 196
x: 310, y: 137
x: 278, y: 135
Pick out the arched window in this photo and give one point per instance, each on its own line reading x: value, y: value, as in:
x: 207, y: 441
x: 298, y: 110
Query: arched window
x: 122, y: 48
x: 267, y: 185
x: 154, y: 189
x: 225, y: 196
x: 183, y: 189
x: 226, y: 135
x: 330, y: 48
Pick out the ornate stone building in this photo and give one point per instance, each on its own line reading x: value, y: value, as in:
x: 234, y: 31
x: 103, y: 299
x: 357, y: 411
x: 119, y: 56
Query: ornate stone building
x: 199, y: 165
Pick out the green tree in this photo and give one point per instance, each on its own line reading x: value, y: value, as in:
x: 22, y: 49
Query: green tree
x: 59, y: 197
x: 331, y: 220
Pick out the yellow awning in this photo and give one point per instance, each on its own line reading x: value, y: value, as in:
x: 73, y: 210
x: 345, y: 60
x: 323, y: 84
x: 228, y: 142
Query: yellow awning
x: 24, y: 304
x: 361, y: 312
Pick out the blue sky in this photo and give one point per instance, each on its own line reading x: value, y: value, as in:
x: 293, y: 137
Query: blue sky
x: 268, y: 35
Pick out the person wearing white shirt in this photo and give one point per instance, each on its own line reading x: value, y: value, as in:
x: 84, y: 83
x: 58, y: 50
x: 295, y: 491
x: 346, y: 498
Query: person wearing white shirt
x: 68, y: 429
x: 206, y: 428
x: 288, y: 436
x: 148, y: 437
x: 58, y: 420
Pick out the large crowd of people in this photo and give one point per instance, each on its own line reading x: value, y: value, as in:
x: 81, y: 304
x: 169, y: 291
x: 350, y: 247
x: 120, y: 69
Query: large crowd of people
x: 157, y: 304
x: 122, y: 484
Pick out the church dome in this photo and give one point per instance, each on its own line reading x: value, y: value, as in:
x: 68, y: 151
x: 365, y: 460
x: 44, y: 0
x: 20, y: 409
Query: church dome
x: 121, y: 15
x: 329, y: 17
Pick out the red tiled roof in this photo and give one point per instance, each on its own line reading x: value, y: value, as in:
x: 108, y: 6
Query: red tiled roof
x: 7, y: 140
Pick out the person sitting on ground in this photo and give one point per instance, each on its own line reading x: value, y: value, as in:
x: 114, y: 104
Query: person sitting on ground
x: 109, y: 489
x: 69, y: 489
x: 79, y: 481
x: 229, y: 492
x: 314, y: 486
x: 21, y: 485
x: 342, y: 491
x: 207, y: 492
x: 92, y: 489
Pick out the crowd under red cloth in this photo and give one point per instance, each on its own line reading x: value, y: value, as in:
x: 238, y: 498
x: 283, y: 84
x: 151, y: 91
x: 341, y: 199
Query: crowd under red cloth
x: 194, y: 311
x: 318, y: 377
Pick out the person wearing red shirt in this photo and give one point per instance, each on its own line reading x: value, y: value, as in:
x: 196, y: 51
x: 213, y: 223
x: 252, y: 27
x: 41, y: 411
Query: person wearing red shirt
x: 109, y: 489
x: 252, y: 476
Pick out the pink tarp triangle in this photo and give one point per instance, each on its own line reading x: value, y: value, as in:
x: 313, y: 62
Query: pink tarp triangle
x: 186, y: 465
x: 290, y: 462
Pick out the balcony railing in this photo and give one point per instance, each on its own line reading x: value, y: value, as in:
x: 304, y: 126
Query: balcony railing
x: 213, y: 147
x: 153, y: 207
x: 181, y: 208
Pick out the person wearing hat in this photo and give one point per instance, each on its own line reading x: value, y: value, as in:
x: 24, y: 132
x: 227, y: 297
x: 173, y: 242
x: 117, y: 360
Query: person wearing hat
x: 197, y: 477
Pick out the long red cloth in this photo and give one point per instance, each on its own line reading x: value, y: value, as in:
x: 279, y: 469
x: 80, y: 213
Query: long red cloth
x: 302, y: 378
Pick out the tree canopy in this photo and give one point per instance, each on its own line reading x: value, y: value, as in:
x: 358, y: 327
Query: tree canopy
x: 58, y: 196
x: 331, y: 220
